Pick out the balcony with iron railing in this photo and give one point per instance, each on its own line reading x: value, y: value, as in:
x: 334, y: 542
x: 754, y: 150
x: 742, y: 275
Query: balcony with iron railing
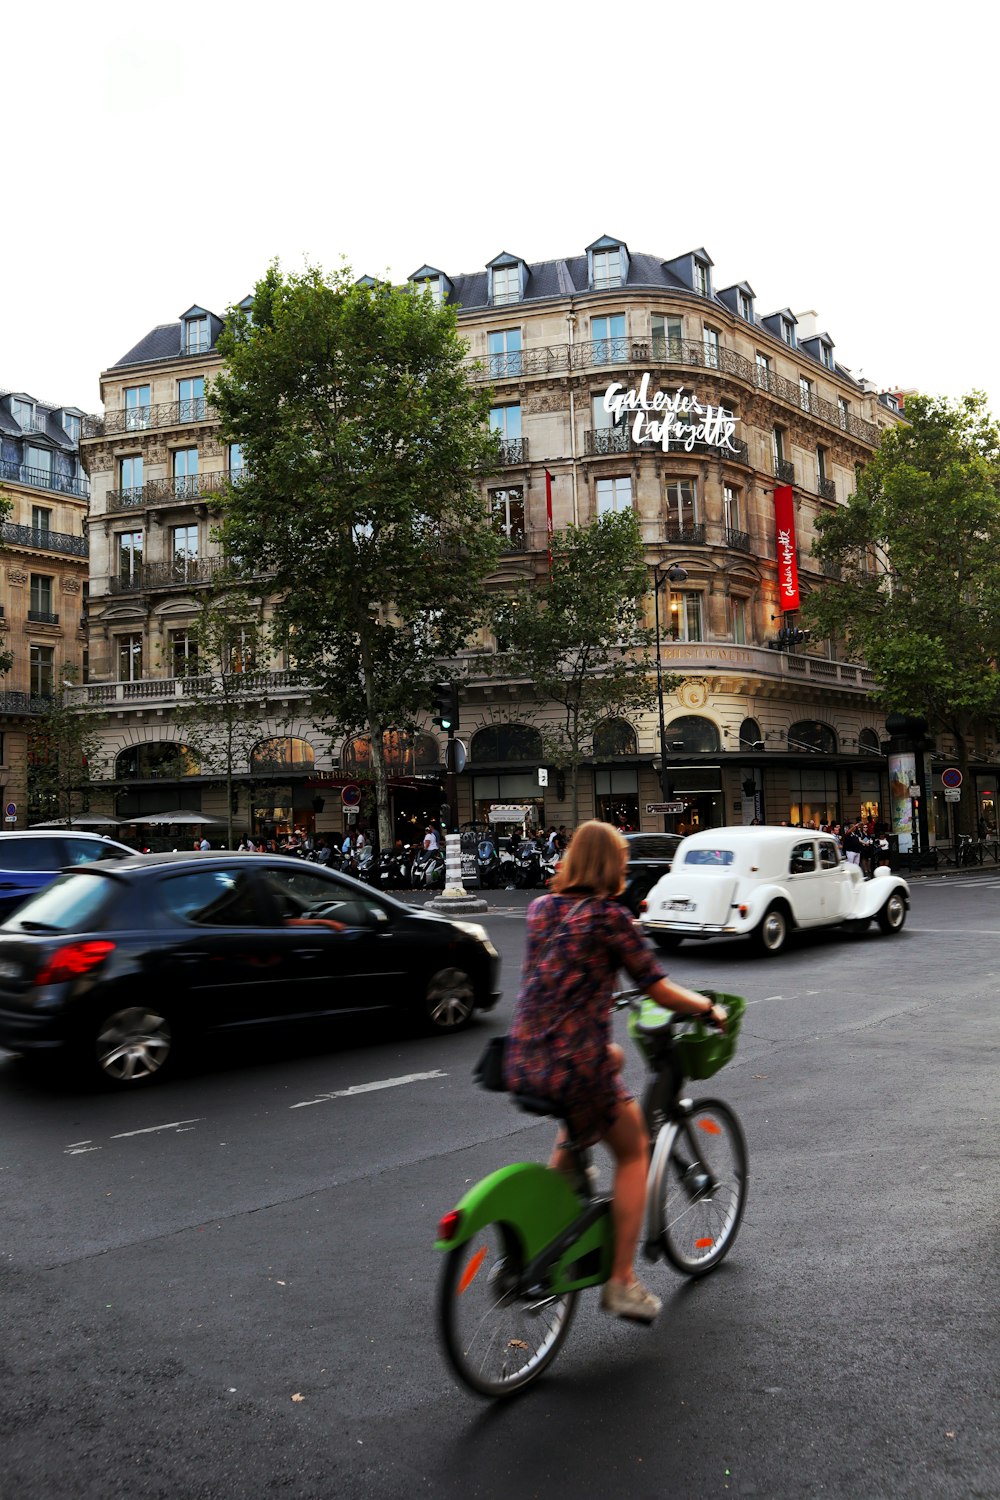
x: 174, y: 491
x: 827, y: 489
x: 181, y: 573
x: 25, y: 703
x: 43, y: 617
x: 735, y: 540
x: 43, y: 479
x: 601, y: 441
x: 41, y: 539
x: 129, y: 419
x: 514, y: 450
x: 652, y: 353
x: 512, y: 539
x: 784, y: 470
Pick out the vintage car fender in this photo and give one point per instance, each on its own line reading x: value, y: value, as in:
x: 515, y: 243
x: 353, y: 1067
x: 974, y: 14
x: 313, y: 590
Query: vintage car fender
x: 873, y: 894
x: 760, y: 898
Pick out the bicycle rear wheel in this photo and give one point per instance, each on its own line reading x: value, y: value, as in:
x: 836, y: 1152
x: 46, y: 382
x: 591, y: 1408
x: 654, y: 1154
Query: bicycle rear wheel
x: 497, y: 1340
x: 700, y: 1192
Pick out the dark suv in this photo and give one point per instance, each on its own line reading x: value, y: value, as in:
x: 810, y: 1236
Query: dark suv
x: 650, y: 855
x: 29, y: 861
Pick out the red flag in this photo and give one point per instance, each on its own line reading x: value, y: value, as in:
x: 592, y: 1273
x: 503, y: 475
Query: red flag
x: 548, y: 513
x: 784, y: 529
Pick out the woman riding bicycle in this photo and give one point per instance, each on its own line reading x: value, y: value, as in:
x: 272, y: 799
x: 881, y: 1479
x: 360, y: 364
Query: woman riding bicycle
x: 559, y: 1047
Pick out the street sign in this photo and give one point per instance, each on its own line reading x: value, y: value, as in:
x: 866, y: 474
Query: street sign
x: 951, y: 778
x: 507, y: 812
x: 350, y: 795
x: 543, y: 776
x: 915, y: 790
x: 10, y: 812
x: 952, y: 795
x: 665, y: 807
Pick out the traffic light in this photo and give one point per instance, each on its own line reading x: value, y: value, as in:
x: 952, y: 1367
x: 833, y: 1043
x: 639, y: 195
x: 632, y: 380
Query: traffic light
x: 446, y: 706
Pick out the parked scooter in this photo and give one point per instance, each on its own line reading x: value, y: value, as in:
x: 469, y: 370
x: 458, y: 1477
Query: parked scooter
x: 393, y: 870
x: 528, y: 866
x: 489, y: 869
x: 550, y: 864
x: 427, y: 873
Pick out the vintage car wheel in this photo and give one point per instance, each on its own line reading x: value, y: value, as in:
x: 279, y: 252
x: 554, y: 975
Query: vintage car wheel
x: 893, y: 914
x: 772, y: 934
x: 667, y: 942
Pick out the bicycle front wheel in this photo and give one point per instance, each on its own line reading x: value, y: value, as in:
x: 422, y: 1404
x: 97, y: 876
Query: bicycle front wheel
x: 497, y: 1339
x: 701, y: 1189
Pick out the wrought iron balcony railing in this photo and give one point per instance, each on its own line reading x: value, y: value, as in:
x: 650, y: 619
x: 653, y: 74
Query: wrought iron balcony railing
x: 689, y: 533
x: 738, y: 541
x: 172, y: 491
x: 43, y: 479
x: 513, y: 540
x: 181, y: 573
x: 600, y: 440
x: 784, y: 470
x: 149, y: 418
x: 514, y: 450
x: 828, y: 489
x: 40, y: 537
x: 25, y: 703
x: 43, y: 617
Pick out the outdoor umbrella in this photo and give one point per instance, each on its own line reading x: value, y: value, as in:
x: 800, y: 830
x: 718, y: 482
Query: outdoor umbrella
x: 83, y: 821
x: 165, y: 819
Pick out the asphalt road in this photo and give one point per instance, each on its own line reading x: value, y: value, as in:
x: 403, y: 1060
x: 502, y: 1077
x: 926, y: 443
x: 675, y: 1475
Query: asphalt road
x: 224, y: 1287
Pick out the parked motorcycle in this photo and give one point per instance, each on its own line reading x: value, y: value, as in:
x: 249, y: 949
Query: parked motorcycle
x: 489, y: 868
x: 550, y: 864
x: 393, y: 870
x: 528, y: 866
x: 428, y: 870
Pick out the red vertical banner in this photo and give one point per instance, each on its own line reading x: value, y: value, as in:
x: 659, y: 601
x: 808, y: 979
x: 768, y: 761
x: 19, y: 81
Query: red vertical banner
x: 548, y: 514
x: 784, y: 531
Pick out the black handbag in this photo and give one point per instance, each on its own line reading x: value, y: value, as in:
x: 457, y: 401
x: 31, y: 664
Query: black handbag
x: 488, y: 1071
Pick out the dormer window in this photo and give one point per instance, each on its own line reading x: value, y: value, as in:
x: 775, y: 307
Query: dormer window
x: 746, y: 307
x: 607, y: 268
x: 700, y: 274
x: 506, y: 284
x: 787, y: 333
x: 431, y: 285
x: 23, y: 412
x: 196, y: 338
x: 71, y: 426
x: 826, y: 355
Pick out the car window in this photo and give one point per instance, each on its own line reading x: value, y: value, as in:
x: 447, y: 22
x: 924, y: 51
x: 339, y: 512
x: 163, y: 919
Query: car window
x: 302, y: 895
x: 829, y: 856
x: 708, y: 857
x: 31, y: 854
x: 73, y: 903
x: 803, y: 859
x: 212, y: 898
x: 83, y: 851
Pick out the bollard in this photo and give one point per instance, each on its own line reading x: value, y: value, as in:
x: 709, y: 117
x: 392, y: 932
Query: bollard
x: 455, y: 898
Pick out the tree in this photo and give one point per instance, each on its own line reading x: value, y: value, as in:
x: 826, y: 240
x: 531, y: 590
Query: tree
x: 580, y: 637
x: 917, y: 550
x: 61, y: 743
x: 363, y: 442
x: 219, y: 714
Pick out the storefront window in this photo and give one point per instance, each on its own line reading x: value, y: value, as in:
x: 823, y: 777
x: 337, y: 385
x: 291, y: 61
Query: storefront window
x: 616, y: 798
x: 812, y: 796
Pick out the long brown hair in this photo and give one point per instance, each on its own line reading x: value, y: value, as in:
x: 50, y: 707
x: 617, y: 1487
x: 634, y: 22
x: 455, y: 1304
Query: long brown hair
x: 593, y: 861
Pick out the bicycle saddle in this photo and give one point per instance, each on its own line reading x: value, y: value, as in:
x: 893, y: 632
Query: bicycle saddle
x: 533, y: 1104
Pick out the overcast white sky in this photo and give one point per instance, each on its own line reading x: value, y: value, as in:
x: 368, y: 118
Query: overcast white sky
x: 840, y: 158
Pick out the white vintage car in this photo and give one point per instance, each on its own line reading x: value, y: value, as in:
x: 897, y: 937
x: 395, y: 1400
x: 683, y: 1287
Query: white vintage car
x: 763, y: 883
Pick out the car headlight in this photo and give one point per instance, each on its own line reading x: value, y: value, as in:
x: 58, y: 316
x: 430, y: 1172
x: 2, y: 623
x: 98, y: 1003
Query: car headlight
x: 479, y: 934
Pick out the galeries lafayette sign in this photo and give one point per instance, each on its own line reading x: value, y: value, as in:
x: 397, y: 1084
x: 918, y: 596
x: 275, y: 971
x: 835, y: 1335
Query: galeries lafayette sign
x: 673, y: 420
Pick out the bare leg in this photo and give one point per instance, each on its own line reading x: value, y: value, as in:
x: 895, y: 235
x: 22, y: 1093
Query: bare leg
x: 629, y: 1143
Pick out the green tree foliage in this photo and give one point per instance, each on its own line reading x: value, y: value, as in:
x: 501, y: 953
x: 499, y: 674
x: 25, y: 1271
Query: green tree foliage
x: 917, y: 548
x: 219, y: 714
x: 62, y: 744
x: 580, y: 637
x: 363, y: 441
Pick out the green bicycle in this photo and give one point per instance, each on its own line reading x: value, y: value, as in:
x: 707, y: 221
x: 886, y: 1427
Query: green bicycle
x: 525, y: 1241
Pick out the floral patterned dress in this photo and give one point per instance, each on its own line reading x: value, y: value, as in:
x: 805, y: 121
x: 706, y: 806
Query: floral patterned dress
x: 558, y: 1043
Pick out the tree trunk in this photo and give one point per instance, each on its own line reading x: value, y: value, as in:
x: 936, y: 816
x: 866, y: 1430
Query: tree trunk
x: 574, y: 784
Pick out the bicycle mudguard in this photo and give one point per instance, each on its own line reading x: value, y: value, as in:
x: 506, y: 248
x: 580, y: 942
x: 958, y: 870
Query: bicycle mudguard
x: 539, y: 1205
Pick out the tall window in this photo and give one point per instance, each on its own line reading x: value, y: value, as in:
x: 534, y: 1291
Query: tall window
x: 843, y: 410
x: 613, y: 495
x: 504, y: 352
x: 821, y: 474
x: 730, y: 507
x: 184, y: 462
x: 506, y: 420
x: 506, y: 284
x: 130, y: 657
x: 39, y: 461
x: 41, y: 595
x: 129, y: 558
x: 685, y: 617
x: 136, y: 407
x: 196, y: 335
x: 701, y: 278
x: 191, y: 399
x: 607, y: 268
x: 763, y: 371
x: 711, y: 345
x: 184, y: 652
x: 184, y: 547
x: 608, y: 335
x: 788, y: 332
x: 805, y: 393
x: 826, y: 354
x: 42, y: 660
x: 746, y: 306
x: 738, y: 621
x: 778, y: 447
x: 682, y: 505
x: 242, y: 649
x: 235, y: 457
x: 130, y: 473
x: 41, y: 522
x: 507, y: 515
x: 668, y: 337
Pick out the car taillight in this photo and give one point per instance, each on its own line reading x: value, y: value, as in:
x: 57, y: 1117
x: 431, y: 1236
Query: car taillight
x: 644, y: 905
x: 72, y: 960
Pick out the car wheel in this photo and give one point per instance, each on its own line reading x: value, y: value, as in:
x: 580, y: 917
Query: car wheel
x: 667, y: 942
x: 133, y: 1045
x: 893, y: 914
x: 450, y: 1000
x: 772, y: 934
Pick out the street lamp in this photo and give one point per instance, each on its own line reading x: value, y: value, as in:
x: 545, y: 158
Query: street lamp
x: 673, y: 575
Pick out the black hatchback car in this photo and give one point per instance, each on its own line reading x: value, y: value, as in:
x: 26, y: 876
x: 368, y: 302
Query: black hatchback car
x: 650, y: 855
x: 118, y: 965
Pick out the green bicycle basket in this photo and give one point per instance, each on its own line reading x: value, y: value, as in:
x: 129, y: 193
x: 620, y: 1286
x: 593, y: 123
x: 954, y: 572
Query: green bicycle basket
x: 700, y: 1049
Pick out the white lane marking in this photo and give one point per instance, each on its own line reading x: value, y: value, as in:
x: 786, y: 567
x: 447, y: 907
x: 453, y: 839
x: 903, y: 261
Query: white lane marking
x: 368, y: 1088
x: 152, y: 1129
x: 79, y: 1150
x: 87, y: 1142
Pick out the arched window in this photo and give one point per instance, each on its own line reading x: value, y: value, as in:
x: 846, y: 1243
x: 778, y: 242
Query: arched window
x: 506, y: 742
x: 614, y: 737
x: 693, y: 734
x: 868, y: 743
x: 282, y: 753
x: 809, y: 735
x: 161, y: 759
x: 750, y: 735
x: 404, y: 753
